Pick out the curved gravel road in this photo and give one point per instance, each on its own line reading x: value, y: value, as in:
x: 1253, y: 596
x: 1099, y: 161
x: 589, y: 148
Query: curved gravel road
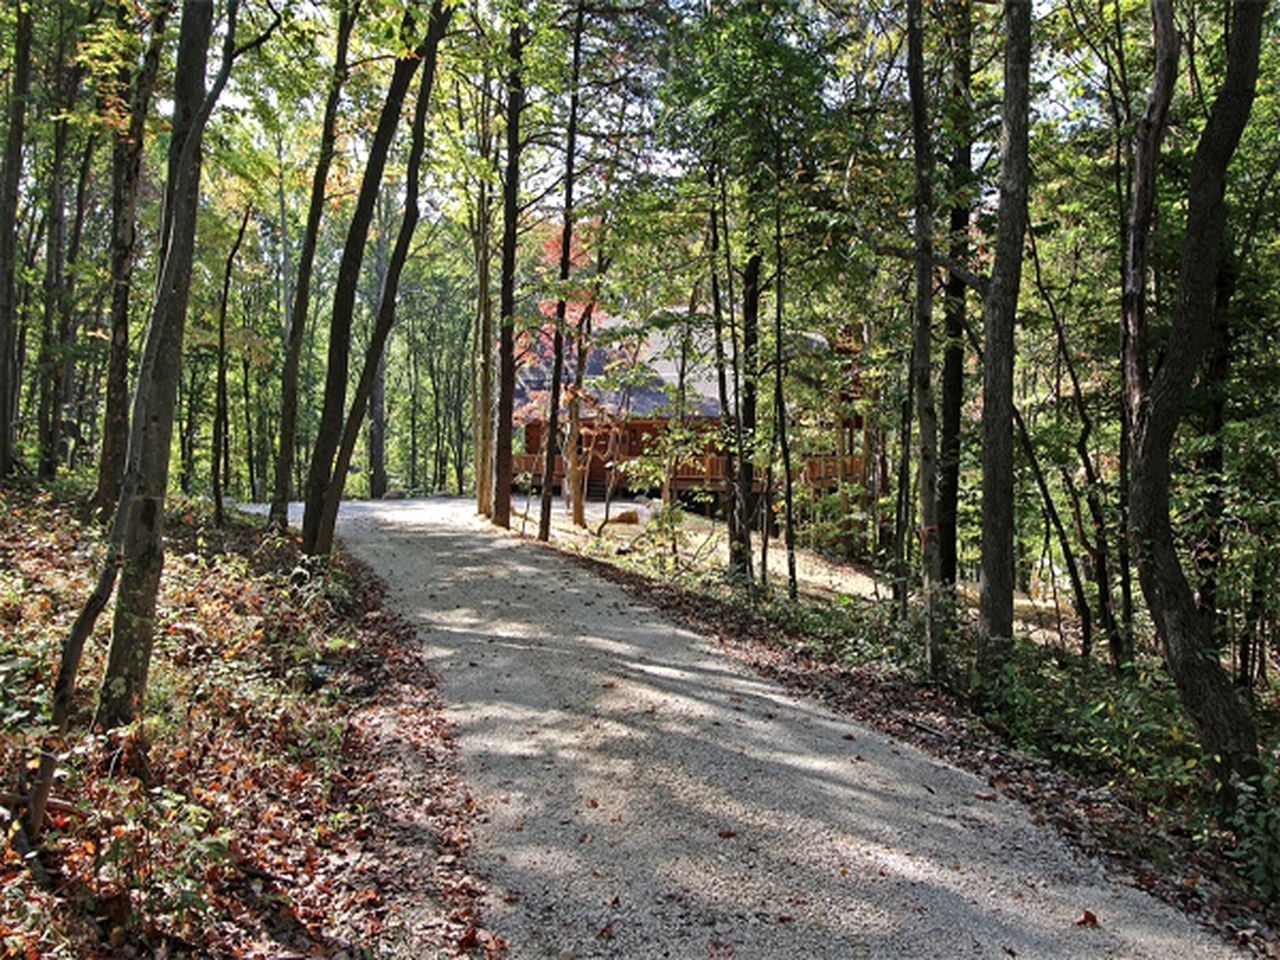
x: 645, y: 797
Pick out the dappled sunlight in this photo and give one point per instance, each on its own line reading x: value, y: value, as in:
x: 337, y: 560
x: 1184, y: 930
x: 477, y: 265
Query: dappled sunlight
x: 644, y: 797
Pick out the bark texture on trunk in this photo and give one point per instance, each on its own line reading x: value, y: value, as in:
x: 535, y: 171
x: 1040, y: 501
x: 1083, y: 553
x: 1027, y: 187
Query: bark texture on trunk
x: 439, y: 22
x: 960, y: 177
x: 566, y: 264
x: 328, y: 433
x: 126, y: 171
x: 995, y: 581
x: 922, y: 344
x: 140, y: 516
x: 507, y: 294
x: 10, y: 178
x: 279, y: 515
x: 1157, y: 400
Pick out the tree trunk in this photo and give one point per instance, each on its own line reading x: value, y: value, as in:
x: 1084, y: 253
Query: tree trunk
x: 750, y: 374
x: 320, y: 472
x: 302, y: 287
x: 921, y: 350
x: 126, y: 171
x: 141, y: 512
x: 736, y: 493
x: 427, y: 50
x: 377, y: 439
x: 507, y: 293
x: 50, y: 362
x: 482, y: 410
x: 566, y: 263
x: 10, y: 179
x: 960, y: 175
x: 779, y: 391
x: 221, y: 418
x: 995, y: 587
x: 1156, y: 401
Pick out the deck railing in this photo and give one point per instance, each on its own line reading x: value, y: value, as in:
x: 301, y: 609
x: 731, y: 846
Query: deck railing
x: 709, y: 470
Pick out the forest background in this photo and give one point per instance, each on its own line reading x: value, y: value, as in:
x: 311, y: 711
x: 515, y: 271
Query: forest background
x: 1014, y: 267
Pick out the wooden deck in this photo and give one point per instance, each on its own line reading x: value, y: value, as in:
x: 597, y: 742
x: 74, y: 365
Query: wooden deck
x: 706, y: 472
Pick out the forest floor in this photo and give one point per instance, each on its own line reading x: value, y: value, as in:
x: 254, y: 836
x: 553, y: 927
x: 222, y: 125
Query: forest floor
x: 299, y: 795
x: 644, y: 791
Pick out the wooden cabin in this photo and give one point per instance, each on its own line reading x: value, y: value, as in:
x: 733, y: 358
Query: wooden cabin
x: 620, y: 424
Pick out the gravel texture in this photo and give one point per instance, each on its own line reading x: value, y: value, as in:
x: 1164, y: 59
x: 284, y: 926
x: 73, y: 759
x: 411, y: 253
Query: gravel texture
x: 643, y: 796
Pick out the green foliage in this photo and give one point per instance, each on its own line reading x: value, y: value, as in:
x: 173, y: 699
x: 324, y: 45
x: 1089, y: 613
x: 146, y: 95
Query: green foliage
x: 1256, y: 822
x: 1124, y: 730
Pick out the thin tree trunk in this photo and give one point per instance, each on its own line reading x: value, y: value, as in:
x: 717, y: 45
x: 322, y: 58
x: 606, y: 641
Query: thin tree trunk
x: 1156, y: 402
x: 921, y: 350
x: 507, y: 293
x: 996, y: 583
x: 221, y: 420
x: 377, y: 439
x: 739, y: 529
x: 50, y: 360
x: 960, y: 176
x: 386, y: 316
x: 320, y: 473
x: 1093, y: 495
x: 126, y: 171
x: 566, y: 263
x: 279, y: 515
x: 10, y: 179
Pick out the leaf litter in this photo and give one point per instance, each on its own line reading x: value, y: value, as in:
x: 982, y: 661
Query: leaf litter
x: 292, y: 791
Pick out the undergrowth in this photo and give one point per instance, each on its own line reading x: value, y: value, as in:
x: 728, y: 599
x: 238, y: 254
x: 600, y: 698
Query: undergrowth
x: 205, y: 828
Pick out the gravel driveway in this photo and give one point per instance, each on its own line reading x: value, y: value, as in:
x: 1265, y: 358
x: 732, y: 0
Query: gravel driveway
x: 644, y: 797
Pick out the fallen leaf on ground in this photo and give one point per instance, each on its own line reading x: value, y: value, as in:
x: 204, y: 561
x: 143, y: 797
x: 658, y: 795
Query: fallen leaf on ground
x: 1087, y: 919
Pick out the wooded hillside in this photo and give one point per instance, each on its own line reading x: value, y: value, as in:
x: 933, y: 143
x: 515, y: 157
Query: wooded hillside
x: 987, y: 296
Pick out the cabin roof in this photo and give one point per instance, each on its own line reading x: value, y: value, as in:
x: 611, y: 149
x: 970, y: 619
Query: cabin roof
x: 633, y: 370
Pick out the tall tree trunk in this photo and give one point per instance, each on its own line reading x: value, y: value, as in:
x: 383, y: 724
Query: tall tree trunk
x: 135, y: 548
x: 779, y: 386
x: 377, y: 439
x: 320, y: 472
x: 483, y: 412
x: 306, y: 261
x: 750, y: 375
x: 10, y: 178
x: 566, y: 263
x: 996, y: 584
x: 71, y: 409
x: 921, y: 350
x: 482, y: 409
x: 50, y: 361
x: 1157, y: 400
x: 737, y: 493
x: 126, y: 171
x: 960, y: 176
x: 427, y: 52
x: 507, y: 291
x: 221, y: 418
x: 141, y: 509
